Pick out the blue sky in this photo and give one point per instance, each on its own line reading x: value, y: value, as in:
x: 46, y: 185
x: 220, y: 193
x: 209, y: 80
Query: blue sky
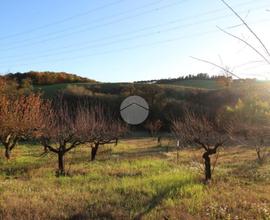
x: 124, y: 40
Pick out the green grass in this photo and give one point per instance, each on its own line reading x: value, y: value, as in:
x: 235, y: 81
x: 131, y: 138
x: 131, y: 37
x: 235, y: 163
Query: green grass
x: 134, y: 180
x: 183, y: 86
x: 51, y: 90
x: 201, y: 84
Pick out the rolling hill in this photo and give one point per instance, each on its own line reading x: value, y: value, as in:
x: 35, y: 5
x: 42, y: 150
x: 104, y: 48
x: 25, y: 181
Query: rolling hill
x: 48, y: 78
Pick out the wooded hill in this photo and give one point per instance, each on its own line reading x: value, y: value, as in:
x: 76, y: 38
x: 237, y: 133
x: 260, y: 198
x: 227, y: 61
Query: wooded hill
x: 202, y: 94
x: 48, y: 78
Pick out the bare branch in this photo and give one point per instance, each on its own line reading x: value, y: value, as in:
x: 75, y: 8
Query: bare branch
x: 220, y: 67
x: 245, y: 42
x: 247, y: 26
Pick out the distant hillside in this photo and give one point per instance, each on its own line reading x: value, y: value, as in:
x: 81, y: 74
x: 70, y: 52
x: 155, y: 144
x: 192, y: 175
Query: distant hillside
x: 172, y: 88
x: 201, y: 81
x: 48, y: 78
x: 201, y: 84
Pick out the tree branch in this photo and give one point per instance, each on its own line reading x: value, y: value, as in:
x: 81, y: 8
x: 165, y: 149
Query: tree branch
x: 247, y: 26
x: 245, y: 42
x: 213, y: 64
x: 196, y: 140
x: 73, y: 145
x: 14, y: 142
x: 49, y: 147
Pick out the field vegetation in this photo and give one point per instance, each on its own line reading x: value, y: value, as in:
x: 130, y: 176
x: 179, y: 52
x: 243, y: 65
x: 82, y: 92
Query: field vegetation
x: 136, y: 179
x: 201, y: 154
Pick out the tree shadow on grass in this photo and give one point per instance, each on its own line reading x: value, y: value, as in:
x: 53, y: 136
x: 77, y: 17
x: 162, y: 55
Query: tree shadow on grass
x: 160, y: 196
x: 158, y: 151
x: 100, y: 215
x: 19, y: 170
x: 249, y: 170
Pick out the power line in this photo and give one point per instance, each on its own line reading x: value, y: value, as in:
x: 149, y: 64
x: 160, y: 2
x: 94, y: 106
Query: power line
x: 104, y: 18
x: 108, y: 23
x: 121, y: 40
x: 121, y: 49
x: 62, y: 20
x: 130, y: 48
x: 138, y: 46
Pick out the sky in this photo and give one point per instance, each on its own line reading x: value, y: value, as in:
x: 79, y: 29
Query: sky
x: 125, y: 40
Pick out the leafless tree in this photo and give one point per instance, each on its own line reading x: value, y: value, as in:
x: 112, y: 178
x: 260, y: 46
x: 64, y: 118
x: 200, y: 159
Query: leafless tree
x: 262, y: 138
x: 19, y: 119
x: 154, y: 127
x: 252, y: 134
x: 65, y: 130
x: 199, y: 130
x: 108, y: 131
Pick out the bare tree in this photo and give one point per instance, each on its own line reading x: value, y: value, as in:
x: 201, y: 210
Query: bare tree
x: 199, y: 130
x: 65, y: 130
x: 108, y: 131
x: 19, y: 119
x: 154, y: 127
x: 251, y: 122
x: 260, y: 139
x: 253, y: 134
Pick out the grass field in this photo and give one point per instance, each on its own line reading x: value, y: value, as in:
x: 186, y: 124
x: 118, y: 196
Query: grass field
x: 182, y: 86
x: 51, y: 90
x: 135, y: 180
x: 199, y: 84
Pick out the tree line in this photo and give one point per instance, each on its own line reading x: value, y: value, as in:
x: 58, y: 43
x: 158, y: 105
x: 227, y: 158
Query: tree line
x: 199, y: 76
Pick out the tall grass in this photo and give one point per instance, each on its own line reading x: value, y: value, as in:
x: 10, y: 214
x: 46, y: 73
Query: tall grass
x: 142, y: 185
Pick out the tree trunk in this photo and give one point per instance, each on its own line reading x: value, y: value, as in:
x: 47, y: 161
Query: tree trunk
x: 7, y: 152
x: 159, y: 140
x: 177, y: 155
x: 46, y: 150
x: 9, y: 144
x: 207, y: 166
x: 61, y: 164
x: 258, y: 150
x: 94, y: 151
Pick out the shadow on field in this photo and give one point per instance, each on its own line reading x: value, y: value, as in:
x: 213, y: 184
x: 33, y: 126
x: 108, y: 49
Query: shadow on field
x: 22, y: 171
x: 165, y: 193
x: 149, y: 151
x: 249, y: 170
x: 105, y: 215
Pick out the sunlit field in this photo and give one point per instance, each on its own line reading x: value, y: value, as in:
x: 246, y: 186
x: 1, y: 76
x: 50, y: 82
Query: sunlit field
x: 135, y: 110
x: 137, y: 179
